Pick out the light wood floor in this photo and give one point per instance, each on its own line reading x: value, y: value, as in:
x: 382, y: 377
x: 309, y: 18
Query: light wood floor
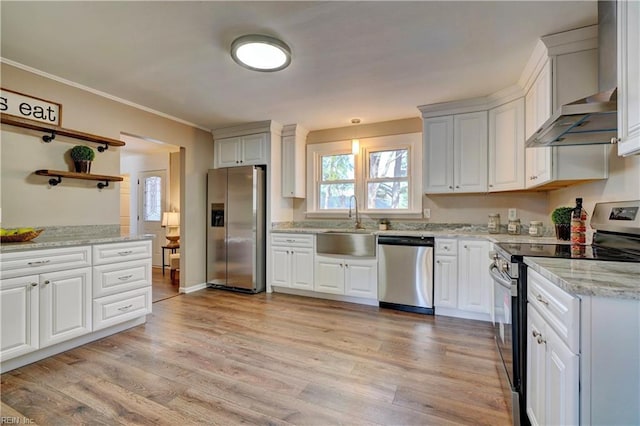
x: 215, y: 357
x: 162, y: 288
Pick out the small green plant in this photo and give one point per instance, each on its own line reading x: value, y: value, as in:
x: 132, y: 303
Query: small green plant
x: 561, y: 215
x: 82, y: 153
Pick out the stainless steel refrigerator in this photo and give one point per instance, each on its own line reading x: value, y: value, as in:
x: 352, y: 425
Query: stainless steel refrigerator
x: 236, y: 236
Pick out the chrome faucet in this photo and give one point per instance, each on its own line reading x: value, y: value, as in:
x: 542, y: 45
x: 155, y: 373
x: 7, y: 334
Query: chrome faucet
x: 358, y: 223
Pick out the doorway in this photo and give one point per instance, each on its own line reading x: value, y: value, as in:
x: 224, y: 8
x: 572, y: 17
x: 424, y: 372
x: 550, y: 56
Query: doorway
x: 154, y: 170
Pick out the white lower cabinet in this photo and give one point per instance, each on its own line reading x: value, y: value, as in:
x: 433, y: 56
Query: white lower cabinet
x: 65, y: 305
x: 19, y: 319
x: 52, y: 296
x: 462, y: 285
x: 553, y: 368
x: 351, y: 276
x: 292, y: 261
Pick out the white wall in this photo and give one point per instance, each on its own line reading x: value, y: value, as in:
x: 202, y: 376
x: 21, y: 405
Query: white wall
x: 91, y: 113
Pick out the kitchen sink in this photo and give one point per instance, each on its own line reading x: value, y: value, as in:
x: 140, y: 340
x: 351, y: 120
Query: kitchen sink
x: 346, y: 243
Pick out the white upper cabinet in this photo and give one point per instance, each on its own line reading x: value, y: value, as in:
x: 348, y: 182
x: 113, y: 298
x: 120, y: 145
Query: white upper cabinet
x: 562, y: 69
x: 294, y: 139
x: 241, y: 151
x: 506, y: 146
x: 455, y: 153
x: 628, y: 77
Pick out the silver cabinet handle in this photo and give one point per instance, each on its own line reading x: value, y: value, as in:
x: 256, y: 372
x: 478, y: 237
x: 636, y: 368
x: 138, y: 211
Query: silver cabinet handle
x: 615, y: 140
x: 540, y: 340
x: 39, y: 262
x: 466, y: 246
x: 124, y: 253
x: 450, y: 187
x: 457, y: 186
x: 46, y: 282
x: 437, y: 261
x: 124, y: 308
x: 446, y: 248
x: 125, y: 277
x: 536, y: 333
x: 541, y: 300
x: 346, y: 265
x: 341, y: 265
x: 291, y: 241
x: 34, y: 284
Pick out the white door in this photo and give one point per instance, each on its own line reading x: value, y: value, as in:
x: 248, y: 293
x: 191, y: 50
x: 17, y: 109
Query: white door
x: 302, y: 268
x: 438, y: 155
x: 361, y: 278
x: 151, y: 205
x: 446, y: 282
x: 19, y: 314
x: 280, y: 266
x: 329, y: 275
x: 470, y: 152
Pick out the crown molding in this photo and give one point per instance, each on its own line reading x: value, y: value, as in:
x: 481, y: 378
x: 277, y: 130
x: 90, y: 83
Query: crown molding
x: 98, y: 92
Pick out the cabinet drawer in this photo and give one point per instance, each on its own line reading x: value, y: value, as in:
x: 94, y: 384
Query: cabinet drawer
x: 558, y: 308
x: 446, y: 246
x: 292, y: 240
x: 119, y: 277
x: 117, y: 308
x: 118, y: 252
x: 48, y: 260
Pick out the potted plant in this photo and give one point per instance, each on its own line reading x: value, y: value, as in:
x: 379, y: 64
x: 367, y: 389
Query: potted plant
x: 82, y: 157
x: 561, y: 218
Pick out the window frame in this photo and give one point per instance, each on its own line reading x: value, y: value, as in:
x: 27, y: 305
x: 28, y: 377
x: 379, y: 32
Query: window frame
x: 410, y: 141
x: 368, y: 179
x: 320, y: 182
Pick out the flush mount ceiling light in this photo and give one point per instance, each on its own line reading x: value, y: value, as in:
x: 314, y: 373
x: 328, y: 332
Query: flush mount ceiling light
x: 261, y: 53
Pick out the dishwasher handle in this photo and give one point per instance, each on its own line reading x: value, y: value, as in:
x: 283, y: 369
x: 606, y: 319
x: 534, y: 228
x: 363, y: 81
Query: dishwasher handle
x: 397, y: 240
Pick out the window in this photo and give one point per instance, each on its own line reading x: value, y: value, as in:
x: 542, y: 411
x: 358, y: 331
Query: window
x: 385, y: 177
x: 151, y: 209
x: 387, y: 180
x: 337, y: 181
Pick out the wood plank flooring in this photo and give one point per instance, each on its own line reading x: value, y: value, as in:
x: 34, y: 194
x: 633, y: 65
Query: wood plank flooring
x: 220, y: 358
x: 161, y: 285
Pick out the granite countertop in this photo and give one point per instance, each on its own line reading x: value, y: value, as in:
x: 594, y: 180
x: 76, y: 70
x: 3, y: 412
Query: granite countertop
x: 464, y: 232
x: 74, y: 236
x: 578, y: 277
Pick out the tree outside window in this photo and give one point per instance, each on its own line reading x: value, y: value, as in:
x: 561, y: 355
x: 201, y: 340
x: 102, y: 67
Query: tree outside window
x: 387, y: 181
x: 337, y: 181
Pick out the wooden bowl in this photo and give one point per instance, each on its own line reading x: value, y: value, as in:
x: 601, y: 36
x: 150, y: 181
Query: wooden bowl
x: 20, y: 238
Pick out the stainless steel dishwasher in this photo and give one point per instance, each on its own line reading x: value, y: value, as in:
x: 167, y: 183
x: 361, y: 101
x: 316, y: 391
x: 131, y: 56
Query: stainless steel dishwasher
x: 405, y: 273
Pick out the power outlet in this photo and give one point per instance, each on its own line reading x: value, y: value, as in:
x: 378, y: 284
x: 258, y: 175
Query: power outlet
x: 513, y: 214
x: 426, y: 213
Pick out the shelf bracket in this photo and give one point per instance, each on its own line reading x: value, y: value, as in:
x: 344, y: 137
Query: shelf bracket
x: 103, y: 185
x: 48, y: 138
x: 103, y: 148
x: 54, y: 182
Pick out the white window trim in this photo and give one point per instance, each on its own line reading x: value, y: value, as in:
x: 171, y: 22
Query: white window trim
x: 411, y: 141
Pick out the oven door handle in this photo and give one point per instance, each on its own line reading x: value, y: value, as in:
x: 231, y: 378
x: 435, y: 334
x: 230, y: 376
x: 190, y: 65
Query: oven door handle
x: 506, y: 283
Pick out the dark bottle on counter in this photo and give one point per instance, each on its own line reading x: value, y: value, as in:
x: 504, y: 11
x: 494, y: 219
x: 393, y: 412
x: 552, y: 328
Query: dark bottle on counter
x: 578, y: 224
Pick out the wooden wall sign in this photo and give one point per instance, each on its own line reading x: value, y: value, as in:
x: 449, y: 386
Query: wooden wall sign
x: 29, y: 107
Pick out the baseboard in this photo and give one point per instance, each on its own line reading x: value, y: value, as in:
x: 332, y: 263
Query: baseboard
x: 192, y: 288
x: 317, y: 295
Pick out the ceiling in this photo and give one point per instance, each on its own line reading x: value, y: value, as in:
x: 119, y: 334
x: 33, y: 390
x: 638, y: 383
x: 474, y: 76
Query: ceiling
x: 373, y: 60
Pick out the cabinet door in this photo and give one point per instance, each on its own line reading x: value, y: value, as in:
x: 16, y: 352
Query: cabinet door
x: 538, y: 168
x: 470, y: 152
x: 561, y: 381
x: 474, y: 283
x: 227, y: 152
x: 445, y: 282
x: 506, y: 146
x: 628, y: 81
x: 288, y: 166
x: 254, y: 149
x: 361, y: 278
x: 65, y: 305
x: 302, y: 268
x: 329, y: 275
x: 18, y: 316
x: 438, y: 154
x: 280, y: 266
x: 536, y: 368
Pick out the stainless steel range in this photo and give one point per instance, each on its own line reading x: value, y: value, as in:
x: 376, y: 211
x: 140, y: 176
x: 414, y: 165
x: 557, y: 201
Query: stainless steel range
x: 617, y: 238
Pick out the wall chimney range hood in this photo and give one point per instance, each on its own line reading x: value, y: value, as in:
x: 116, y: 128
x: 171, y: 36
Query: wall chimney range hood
x: 594, y: 119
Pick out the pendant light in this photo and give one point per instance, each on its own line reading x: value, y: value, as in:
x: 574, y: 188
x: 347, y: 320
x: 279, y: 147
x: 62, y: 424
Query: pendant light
x: 355, y: 142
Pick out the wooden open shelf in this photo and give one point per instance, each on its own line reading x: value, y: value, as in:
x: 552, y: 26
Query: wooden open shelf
x: 57, y: 130
x: 59, y: 174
